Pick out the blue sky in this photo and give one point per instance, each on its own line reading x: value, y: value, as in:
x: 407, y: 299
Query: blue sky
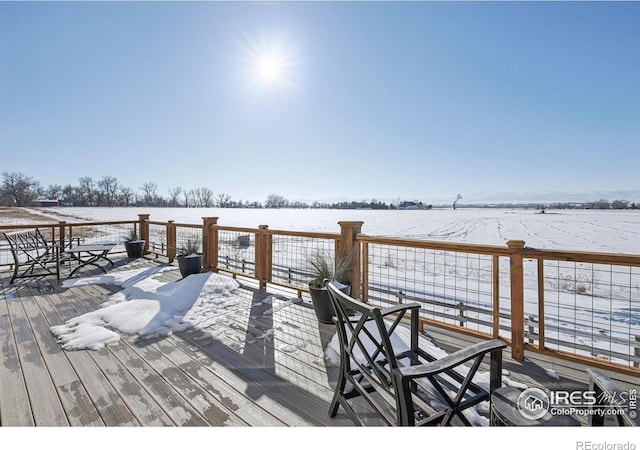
x: 412, y: 100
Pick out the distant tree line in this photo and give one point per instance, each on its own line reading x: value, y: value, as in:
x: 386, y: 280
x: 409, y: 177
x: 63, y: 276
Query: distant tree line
x: 17, y: 189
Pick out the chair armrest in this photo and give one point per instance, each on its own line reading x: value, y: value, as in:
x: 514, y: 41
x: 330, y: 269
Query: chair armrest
x: 452, y: 360
x: 399, y: 308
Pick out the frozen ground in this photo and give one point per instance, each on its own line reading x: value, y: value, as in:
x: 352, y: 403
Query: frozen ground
x: 586, y: 230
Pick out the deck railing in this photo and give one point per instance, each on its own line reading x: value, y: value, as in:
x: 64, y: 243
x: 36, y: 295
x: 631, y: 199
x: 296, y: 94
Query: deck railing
x: 581, y: 306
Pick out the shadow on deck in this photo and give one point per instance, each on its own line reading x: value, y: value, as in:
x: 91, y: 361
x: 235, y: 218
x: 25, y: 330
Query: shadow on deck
x: 257, y: 364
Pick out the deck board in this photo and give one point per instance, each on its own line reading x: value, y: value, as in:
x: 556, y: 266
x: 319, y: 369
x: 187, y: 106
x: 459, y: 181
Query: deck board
x: 259, y: 365
x: 46, y: 406
x: 226, y: 375
x: 72, y: 394
x: 15, y: 408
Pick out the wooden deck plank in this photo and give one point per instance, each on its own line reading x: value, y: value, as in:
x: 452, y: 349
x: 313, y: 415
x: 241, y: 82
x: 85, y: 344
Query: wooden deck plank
x: 206, y: 404
x: 109, y: 404
x: 225, y: 391
x: 250, y: 368
x: 175, y: 406
x: 77, y: 404
x: 48, y: 409
x: 216, y: 413
x: 181, y: 412
x: 15, y: 409
x: 293, y: 397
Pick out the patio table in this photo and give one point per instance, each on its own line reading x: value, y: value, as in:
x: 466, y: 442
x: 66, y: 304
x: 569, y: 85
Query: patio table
x: 90, y: 255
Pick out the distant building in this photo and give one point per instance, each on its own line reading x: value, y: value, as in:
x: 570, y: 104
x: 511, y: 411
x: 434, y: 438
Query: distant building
x: 45, y: 203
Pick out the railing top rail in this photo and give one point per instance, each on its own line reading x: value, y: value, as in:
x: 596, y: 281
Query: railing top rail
x: 584, y: 257
x: 436, y: 245
x: 182, y: 225
x: 67, y: 224
x: 308, y: 234
x: 237, y: 229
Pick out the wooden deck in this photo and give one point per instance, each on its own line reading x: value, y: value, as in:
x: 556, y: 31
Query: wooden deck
x: 238, y: 374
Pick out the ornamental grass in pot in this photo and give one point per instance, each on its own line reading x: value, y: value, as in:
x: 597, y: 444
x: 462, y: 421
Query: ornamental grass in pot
x: 322, y: 267
x: 134, y: 245
x: 189, y: 258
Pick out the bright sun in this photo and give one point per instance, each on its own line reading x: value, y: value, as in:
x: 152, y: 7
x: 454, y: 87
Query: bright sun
x: 269, y: 64
x: 270, y: 68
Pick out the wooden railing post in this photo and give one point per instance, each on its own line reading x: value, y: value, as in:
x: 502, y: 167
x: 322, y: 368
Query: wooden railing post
x: 517, y: 299
x: 350, y: 248
x: 62, y: 227
x: 264, y: 256
x: 210, y: 244
x: 143, y: 226
x: 171, y: 240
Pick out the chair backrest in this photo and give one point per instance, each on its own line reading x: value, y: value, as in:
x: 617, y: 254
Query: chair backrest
x: 31, y: 243
x: 368, y: 344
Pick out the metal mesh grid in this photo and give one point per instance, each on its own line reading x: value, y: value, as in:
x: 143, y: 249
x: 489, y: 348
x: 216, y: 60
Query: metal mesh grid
x: 592, y: 310
x: 452, y: 287
x: 95, y: 234
x: 291, y: 256
x: 186, y: 235
x: 236, y: 251
x: 158, y: 239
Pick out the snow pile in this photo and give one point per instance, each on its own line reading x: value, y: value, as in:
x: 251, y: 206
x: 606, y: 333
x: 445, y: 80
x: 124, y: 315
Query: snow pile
x: 146, y: 307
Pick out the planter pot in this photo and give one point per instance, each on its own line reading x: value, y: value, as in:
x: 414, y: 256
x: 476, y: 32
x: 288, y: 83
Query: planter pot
x: 135, y: 249
x: 189, y: 264
x: 322, y: 303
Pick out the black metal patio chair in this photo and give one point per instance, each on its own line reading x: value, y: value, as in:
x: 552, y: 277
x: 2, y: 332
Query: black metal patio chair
x: 403, y: 383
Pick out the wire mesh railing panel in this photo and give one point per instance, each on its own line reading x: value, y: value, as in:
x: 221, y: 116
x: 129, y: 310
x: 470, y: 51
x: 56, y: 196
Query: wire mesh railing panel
x: 237, y: 252
x: 158, y: 239
x: 77, y: 234
x: 291, y: 256
x: 592, y: 310
x: 452, y: 287
x: 187, y: 236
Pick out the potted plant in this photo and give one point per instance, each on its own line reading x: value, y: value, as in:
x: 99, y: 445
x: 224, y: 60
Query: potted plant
x: 323, y: 267
x: 134, y: 245
x: 189, y: 258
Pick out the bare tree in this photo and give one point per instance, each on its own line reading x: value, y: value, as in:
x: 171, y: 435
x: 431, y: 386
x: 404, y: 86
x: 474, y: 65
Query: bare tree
x: 174, y: 193
x: 71, y: 195
x: 149, y: 193
x: 18, y: 189
x: 223, y: 200
x: 276, y: 201
x: 459, y: 197
x: 53, y: 192
x: 109, y: 187
x: 126, y: 195
x: 87, y: 190
x: 188, y: 196
x: 203, y: 197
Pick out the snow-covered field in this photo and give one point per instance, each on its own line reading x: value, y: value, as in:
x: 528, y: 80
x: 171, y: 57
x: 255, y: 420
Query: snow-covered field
x: 584, y: 230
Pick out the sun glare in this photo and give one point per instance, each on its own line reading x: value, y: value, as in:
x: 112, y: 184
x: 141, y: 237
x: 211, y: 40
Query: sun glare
x: 270, y: 68
x: 269, y: 64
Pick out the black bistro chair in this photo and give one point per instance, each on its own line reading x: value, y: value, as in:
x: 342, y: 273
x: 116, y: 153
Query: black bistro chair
x: 402, y: 382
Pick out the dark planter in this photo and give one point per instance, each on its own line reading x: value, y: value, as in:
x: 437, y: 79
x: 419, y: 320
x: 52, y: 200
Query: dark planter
x: 322, y: 303
x: 135, y: 249
x: 189, y: 264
